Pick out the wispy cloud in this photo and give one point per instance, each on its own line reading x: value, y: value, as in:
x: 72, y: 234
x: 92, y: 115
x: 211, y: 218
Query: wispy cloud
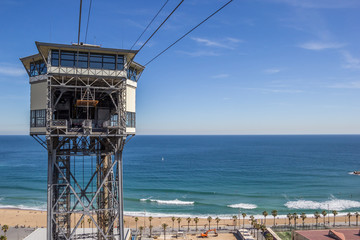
x: 229, y: 43
x: 10, y: 70
x: 200, y: 53
x: 275, y: 90
x: 353, y: 85
x: 272, y: 70
x: 317, y: 46
x: 351, y: 61
x: 321, y: 3
x: 223, y: 75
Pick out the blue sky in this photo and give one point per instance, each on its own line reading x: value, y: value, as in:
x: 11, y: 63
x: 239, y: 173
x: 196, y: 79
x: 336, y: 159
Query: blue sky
x: 258, y: 67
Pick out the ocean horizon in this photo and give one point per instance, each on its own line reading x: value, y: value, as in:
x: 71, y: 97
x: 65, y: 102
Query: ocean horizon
x: 202, y: 175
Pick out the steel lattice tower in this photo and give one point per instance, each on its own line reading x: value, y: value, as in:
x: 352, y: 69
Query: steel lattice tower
x: 83, y: 102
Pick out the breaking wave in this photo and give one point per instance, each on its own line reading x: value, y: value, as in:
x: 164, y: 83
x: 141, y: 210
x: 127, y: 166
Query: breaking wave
x: 168, y: 202
x: 243, y: 206
x: 333, y: 204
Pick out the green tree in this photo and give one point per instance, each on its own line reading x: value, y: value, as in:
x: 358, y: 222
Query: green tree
x: 3, y: 237
x: 217, y: 220
x: 141, y: 228
x: 324, y: 213
x: 188, y: 220
x: 274, y: 213
x: 164, y: 226
x: 209, y: 220
x: 316, y: 215
x: 303, y: 217
x: 334, y: 213
x: 357, y: 218
x: 265, y: 214
x: 349, y: 216
x: 136, y: 220
x: 179, y: 221
x: 243, y: 215
x: 196, y: 220
x: 150, y: 219
x: 5, y: 228
x: 173, y: 220
x: 295, y: 217
x: 289, y: 216
x: 234, y: 220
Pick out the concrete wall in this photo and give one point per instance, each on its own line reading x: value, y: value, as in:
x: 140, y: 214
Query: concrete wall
x: 38, y: 95
x: 130, y: 98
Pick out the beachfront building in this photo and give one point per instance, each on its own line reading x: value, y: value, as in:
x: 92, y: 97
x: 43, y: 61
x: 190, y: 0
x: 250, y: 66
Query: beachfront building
x: 82, y: 111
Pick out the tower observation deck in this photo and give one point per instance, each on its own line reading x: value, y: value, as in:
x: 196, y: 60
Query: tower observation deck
x: 83, y: 102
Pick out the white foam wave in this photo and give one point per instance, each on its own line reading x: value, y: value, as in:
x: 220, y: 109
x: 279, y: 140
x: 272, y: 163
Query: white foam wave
x: 243, y: 206
x: 23, y: 207
x: 168, y: 202
x: 333, y: 204
x: 352, y: 173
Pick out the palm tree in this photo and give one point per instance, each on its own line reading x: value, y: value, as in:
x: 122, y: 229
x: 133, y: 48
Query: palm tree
x: 89, y: 221
x: 136, y: 220
x: 274, y: 213
x: 357, y: 216
x: 349, y: 215
x: 150, y: 219
x: 3, y: 237
x: 179, y: 221
x: 243, y: 215
x: 289, y: 216
x: 141, y: 228
x: 303, y: 217
x: 257, y: 226
x: 265, y: 213
x: 324, y: 213
x: 196, y: 220
x: 5, y: 228
x: 188, y: 220
x: 316, y: 215
x: 234, y: 220
x: 335, y: 213
x: 164, y: 226
x: 151, y: 227
x: 173, y: 220
x: 217, y: 219
x: 209, y: 220
x: 295, y: 216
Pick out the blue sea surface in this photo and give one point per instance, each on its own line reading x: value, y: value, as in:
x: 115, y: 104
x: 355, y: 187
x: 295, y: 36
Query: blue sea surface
x: 208, y: 175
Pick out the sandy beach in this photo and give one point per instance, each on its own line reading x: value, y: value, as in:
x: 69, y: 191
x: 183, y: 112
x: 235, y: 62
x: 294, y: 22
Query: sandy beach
x: 34, y: 218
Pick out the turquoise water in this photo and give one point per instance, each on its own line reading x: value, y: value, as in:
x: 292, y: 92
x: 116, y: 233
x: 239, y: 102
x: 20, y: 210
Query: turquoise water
x: 208, y: 175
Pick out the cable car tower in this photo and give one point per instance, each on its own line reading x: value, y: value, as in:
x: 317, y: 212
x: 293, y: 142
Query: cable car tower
x: 83, y: 102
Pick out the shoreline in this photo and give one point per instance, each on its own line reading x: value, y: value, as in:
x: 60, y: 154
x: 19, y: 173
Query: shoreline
x: 37, y: 218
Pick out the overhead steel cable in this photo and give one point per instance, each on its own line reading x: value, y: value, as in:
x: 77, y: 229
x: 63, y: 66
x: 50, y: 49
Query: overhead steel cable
x: 87, y: 24
x: 79, y: 22
x: 149, y: 24
x: 189, y: 32
x: 155, y: 32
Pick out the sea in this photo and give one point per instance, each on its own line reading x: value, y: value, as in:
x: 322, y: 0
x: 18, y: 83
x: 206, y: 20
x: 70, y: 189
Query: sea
x: 200, y: 176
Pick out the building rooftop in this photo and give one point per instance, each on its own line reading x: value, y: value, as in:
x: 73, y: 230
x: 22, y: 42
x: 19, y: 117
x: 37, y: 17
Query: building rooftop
x: 339, y: 234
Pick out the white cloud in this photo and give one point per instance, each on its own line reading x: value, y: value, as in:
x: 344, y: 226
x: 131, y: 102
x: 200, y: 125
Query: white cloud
x: 351, y: 61
x: 321, y: 3
x: 272, y: 70
x: 11, y: 70
x: 200, y: 53
x: 353, y: 85
x: 321, y: 45
x: 229, y: 43
x: 223, y: 75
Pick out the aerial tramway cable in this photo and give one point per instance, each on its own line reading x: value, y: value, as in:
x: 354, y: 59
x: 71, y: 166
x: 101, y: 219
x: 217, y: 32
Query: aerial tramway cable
x: 87, y: 24
x: 149, y: 24
x: 189, y: 32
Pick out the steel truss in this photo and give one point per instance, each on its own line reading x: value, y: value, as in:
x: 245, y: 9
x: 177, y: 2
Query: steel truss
x: 78, y: 194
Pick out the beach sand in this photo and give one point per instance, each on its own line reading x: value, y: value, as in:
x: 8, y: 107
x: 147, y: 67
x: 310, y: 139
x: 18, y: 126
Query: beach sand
x: 34, y: 218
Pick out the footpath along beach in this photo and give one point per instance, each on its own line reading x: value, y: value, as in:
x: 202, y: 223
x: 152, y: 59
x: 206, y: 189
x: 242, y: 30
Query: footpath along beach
x: 33, y: 218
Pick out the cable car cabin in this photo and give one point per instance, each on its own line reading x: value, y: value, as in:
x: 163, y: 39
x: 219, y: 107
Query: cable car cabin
x: 82, y: 89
